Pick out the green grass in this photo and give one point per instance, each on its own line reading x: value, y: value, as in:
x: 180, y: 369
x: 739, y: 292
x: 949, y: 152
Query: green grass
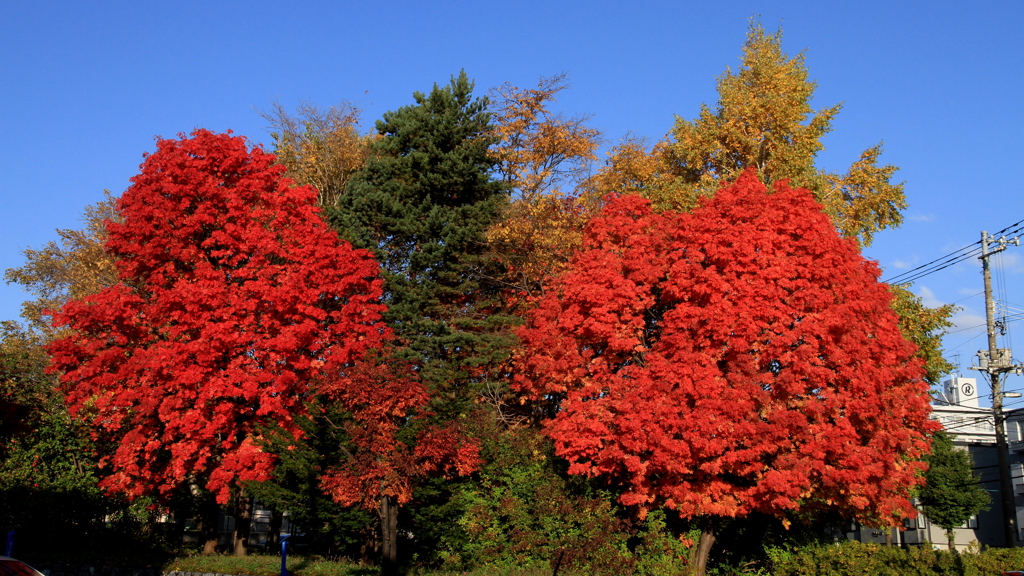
x: 266, y: 565
x: 261, y: 565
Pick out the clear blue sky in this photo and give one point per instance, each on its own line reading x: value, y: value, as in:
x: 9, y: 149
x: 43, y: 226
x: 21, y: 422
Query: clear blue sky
x: 85, y: 88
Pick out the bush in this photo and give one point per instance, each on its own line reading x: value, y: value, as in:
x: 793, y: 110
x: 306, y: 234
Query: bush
x: 523, y: 510
x: 659, y: 552
x: 852, y: 558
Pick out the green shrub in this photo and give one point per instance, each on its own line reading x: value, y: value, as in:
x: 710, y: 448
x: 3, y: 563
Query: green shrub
x: 522, y: 510
x: 660, y: 552
x: 852, y: 558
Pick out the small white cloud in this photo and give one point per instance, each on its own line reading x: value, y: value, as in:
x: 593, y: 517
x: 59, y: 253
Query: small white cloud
x: 921, y: 218
x: 928, y: 297
x: 1009, y: 262
x: 965, y: 320
x: 900, y: 265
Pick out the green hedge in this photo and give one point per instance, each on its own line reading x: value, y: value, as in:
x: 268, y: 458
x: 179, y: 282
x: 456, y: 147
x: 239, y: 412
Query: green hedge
x: 852, y: 558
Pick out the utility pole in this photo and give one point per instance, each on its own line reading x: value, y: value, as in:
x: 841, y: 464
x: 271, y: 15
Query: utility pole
x: 995, y: 362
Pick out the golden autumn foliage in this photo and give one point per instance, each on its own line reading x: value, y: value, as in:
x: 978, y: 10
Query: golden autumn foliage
x: 763, y: 120
x: 75, y: 267
x: 924, y: 326
x: 321, y: 148
x: 539, y: 151
x: 631, y: 169
x: 543, y: 157
x: 537, y: 237
x: 862, y: 201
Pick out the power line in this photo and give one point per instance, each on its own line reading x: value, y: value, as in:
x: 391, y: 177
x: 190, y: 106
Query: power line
x: 946, y: 403
x: 969, y: 297
x: 1007, y: 319
x: 955, y: 257
x: 973, y: 422
x: 1017, y: 225
x: 965, y: 253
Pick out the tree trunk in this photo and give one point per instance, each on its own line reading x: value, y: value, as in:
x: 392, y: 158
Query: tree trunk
x: 274, y: 531
x: 243, y: 522
x: 707, y: 540
x: 951, y: 540
x: 389, y: 536
x: 209, y: 513
x: 888, y: 536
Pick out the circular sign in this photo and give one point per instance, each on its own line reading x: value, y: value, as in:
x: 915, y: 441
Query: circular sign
x: 967, y: 389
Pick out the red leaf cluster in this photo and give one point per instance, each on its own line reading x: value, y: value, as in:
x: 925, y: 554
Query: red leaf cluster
x: 739, y: 358
x: 381, y: 396
x: 234, y: 297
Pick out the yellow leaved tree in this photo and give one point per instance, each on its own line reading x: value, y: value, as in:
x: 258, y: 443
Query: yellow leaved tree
x: 75, y: 267
x: 763, y: 120
x: 320, y: 147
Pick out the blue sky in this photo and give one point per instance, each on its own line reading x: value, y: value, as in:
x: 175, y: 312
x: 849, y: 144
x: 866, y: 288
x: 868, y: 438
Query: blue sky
x: 85, y: 88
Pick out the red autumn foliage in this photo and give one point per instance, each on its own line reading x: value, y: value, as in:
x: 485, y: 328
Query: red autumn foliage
x: 383, y: 397
x: 741, y: 358
x: 234, y: 297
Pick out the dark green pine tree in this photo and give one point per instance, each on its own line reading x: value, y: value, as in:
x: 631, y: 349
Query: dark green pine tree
x: 422, y: 202
x: 952, y: 493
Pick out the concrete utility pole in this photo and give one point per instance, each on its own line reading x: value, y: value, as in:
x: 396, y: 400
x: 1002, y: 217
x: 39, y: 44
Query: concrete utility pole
x: 995, y: 362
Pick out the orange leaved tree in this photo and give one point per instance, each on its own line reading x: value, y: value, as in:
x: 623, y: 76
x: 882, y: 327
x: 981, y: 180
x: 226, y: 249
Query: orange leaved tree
x: 740, y: 358
x: 543, y: 157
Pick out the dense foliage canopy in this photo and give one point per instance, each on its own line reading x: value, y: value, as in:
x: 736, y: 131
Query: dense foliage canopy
x: 234, y: 295
x: 740, y: 358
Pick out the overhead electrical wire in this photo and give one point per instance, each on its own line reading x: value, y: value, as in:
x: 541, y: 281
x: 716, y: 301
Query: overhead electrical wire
x: 955, y: 257
x: 1018, y: 227
x: 982, y: 293
x: 965, y: 253
x: 1007, y: 319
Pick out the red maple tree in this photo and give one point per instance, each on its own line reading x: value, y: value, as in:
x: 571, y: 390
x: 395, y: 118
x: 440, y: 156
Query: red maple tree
x: 740, y: 358
x: 234, y: 297
x: 385, y: 398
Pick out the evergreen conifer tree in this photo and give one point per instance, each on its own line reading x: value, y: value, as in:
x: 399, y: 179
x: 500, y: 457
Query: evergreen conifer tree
x: 951, y: 494
x: 423, y: 202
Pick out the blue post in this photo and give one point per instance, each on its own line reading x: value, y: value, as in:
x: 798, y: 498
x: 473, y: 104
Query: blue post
x: 10, y: 543
x: 284, y: 556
